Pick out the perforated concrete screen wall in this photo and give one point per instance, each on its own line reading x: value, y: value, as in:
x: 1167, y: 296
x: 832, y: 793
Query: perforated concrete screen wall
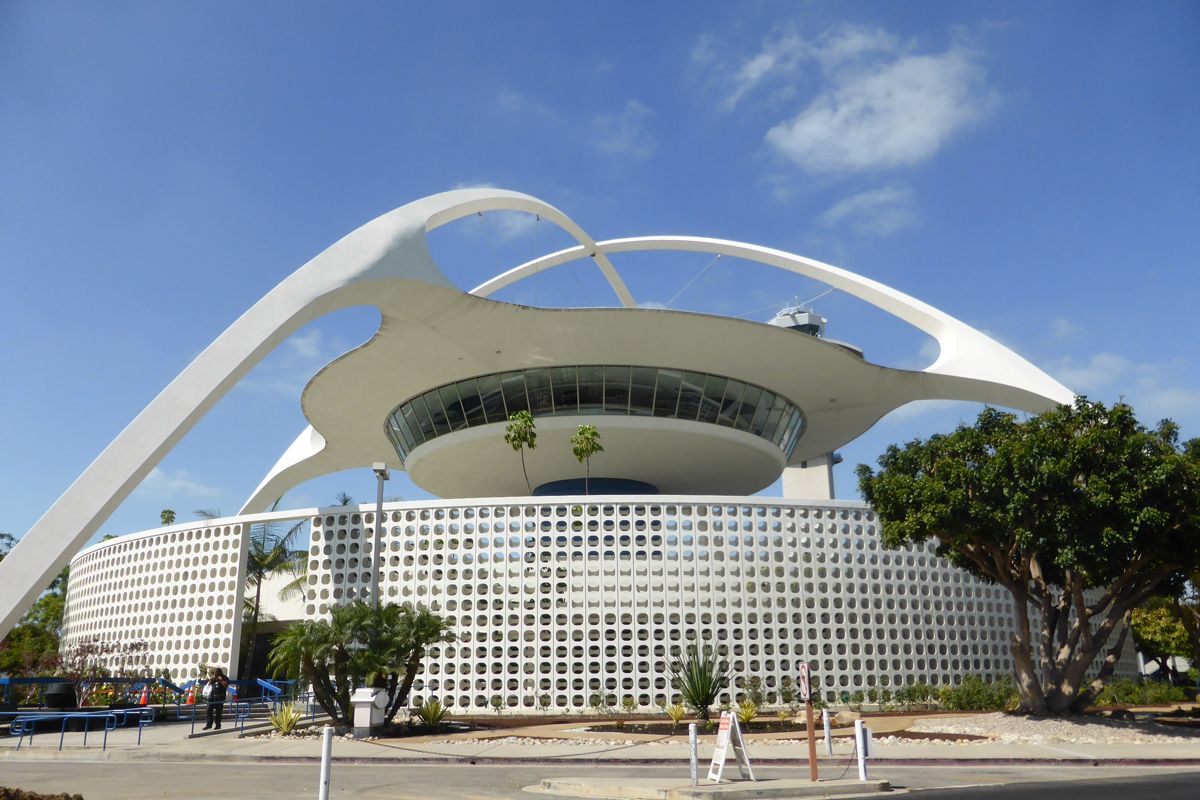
x: 565, y: 599
x: 178, y: 591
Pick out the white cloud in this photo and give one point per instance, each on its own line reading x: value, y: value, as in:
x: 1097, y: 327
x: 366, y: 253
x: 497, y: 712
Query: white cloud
x: 514, y: 102
x: 875, y: 102
x: 1153, y: 389
x: 624, y: 133
x: 880, y: 212
x: 306, y: 344
x: 1064, y: 329
x: 179, y: 484
x: 884, y: 116
x: 781, y: 53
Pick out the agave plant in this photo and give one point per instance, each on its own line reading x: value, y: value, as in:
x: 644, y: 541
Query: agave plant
x: 431, y: 713
x: 699, y: 676
x: 285, y: 719
x: 747, y: 710
x: 676, y: 712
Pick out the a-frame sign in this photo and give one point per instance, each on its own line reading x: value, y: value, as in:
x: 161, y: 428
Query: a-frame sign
x: 729, y: 733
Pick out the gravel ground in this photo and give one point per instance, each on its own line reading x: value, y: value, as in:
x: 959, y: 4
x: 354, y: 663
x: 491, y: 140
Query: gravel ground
x: 1010, y: 728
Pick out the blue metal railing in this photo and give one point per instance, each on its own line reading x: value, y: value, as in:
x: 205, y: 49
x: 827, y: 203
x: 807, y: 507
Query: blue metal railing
x: 42, y: 683
x: 25, y: 724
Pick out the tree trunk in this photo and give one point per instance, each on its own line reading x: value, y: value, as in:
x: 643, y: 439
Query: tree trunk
x: 525, y: 472
x: 1029, y: 688
x: 247, y: 658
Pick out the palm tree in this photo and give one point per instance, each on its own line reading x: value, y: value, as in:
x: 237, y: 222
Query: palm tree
x: 521, y: 433
x: 419, y: 629
x: 167, y: 516
x: 359, y: 644
x: 272, y: 552
x: 343, y: 499
x: 585, y: 444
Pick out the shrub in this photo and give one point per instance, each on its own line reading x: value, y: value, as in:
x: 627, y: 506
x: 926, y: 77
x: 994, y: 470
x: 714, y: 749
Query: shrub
x: 880, y: 697
x: 676, y: 712
x: 917, y: 695
x: 1126, y: 692
x: 285, y: 719
x: 755, y: 692
x: 747, y: 710
x: 629, y: 705
x: 855, y: 701
x: 973, y: 694
x: 431, y: 713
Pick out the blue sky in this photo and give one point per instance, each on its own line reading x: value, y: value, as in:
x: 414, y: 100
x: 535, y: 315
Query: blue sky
x: 1031, y: 169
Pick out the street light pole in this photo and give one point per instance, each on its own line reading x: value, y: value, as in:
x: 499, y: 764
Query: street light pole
x: 381, y: 473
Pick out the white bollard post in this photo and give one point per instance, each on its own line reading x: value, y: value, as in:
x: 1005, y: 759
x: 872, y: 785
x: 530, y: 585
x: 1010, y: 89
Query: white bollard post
x: 860, y: 747
x: 693, y: 747
x: 828, y: 731
x: 326, y: 757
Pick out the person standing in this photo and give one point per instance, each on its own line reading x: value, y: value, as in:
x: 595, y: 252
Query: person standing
x: 218, y: 685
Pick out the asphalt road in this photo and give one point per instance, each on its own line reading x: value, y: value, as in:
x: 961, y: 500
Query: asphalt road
x: 131, y: 780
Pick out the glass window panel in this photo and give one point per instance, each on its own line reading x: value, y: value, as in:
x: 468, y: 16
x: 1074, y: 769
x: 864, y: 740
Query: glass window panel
x: 616, y: 390
x: 454, y: 409
x: 437, y: 414
x: 411, y: 429
x: 468, y: 393
x: 772, y: 426
x: 691, y: 391
x: 537, y: 382
x: 781, y: 431
x: 710, y: 405
x: 765, y: 404
x: 641, y: 390
x: 513, y: 385
x: 566, y: 390
x: 749, y: 404
x: 423, y: 421
x: 731, y: 403
x: 666, y: 394
x: 795, y: 435
x: 591, y: 390
x: 492, y: 398
x: 793, y: 420
x: 396, y: 434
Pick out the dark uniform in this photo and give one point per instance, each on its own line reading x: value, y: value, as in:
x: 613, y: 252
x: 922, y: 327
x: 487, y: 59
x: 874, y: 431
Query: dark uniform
x: 217, y: 688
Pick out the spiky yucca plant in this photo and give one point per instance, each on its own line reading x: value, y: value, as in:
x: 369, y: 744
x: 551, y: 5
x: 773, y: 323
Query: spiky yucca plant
x: 699, y: 676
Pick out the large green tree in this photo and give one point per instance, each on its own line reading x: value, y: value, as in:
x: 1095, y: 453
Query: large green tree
x: 359, y: 645
x: 1160, y: 633
x: 31, y: 647
x: 1081, y: 513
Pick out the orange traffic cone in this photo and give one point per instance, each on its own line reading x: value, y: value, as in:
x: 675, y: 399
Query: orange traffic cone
x: 191, y: 696
x: 145, y: 696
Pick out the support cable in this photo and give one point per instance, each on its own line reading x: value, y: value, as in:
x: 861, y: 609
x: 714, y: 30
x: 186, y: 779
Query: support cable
x: 697, y: 277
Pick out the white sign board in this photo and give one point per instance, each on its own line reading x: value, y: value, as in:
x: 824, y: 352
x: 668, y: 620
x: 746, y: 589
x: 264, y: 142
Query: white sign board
x: 728, y: 733
x: 805, y: 682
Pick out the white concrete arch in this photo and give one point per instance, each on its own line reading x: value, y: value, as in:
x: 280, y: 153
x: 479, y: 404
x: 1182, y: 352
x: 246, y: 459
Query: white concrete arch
x: 964, y: 351
x: 587, y: 245
x: 351, y: 272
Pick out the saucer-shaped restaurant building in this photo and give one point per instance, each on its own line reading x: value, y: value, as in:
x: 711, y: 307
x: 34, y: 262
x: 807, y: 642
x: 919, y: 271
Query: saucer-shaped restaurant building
x: 558, y: 592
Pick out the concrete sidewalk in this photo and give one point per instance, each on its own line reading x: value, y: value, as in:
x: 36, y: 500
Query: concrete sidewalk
x: 565, y: 742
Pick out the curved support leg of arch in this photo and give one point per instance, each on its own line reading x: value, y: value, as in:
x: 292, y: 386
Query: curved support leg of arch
x: 344, y: 275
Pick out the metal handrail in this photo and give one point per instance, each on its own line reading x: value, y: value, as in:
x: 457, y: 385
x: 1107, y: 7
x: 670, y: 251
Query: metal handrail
x: 26, y: 724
